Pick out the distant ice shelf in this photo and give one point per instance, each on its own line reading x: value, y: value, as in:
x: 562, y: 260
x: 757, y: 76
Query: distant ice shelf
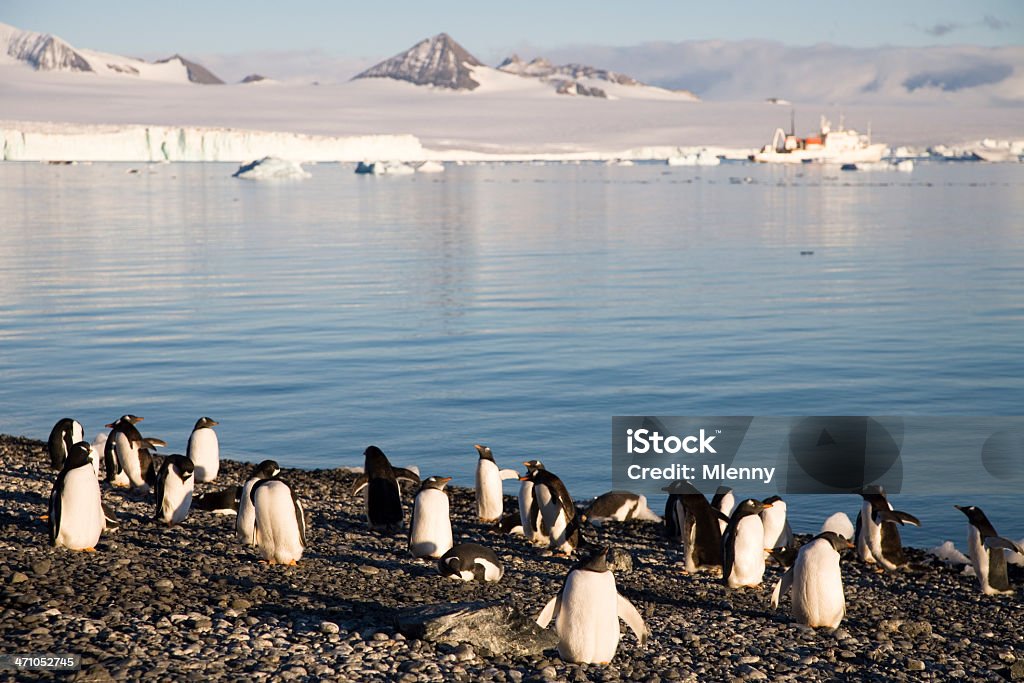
x: 32, y: 141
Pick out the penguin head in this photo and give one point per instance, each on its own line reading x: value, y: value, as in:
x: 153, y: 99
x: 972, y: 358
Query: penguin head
x: 974, y: 514
x: 266, y: 470
x: 872, y: 491
x: 79, y: 454
x: 435, y: 483
x: 205, y: 422
x: 532, y: 465
x: 374, y: 453
x: 839, y: 543
x: 184, y: 467
x: 751, y: 506
x: 531, y: 474
x: 125, y: 420
x: 596, y: 562
x: 785, y: 555
x: 681, y: 487
x: 485, y: 452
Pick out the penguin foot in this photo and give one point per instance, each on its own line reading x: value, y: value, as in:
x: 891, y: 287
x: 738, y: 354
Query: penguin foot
x: 293, y: 563
x: 89, y: 550
x: 44, y: 518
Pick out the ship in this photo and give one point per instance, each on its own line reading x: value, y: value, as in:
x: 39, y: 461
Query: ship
x: 839, y: 146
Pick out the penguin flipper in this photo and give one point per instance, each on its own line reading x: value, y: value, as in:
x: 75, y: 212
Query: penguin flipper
x: 727, y: 553
x: 627, y: 612
x: 406, y: 474
x: 111, y: 462
x: 782, y: 587
x: 998, y: 542
x: 159, y: 489
x: 508, y: 474
x: 550, y: 611
x: 54, y: 521
x: 300, y: 517
x: 896, y: 517
x: 361, y: 482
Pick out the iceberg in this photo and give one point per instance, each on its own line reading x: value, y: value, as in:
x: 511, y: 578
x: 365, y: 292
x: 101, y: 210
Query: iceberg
x: 430, y: 167
x: 702, y: 158
x: 271, y: 168
x: 384, y: 168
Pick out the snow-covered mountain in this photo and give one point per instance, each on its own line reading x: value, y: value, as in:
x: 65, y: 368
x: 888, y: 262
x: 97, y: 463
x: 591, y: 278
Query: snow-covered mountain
x: 574, y: 79
x: 45, y: 52
x: 438, y: 61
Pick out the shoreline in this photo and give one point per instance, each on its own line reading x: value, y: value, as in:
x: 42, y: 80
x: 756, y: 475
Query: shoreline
x: 190, y: 602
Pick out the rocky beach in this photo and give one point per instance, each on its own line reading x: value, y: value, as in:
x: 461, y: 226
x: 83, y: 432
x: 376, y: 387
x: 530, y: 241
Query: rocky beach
x: 191, y: 603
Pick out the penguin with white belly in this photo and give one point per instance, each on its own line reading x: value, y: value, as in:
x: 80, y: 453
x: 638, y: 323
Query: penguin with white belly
x: 816, y: 583
x: 280, y: 528
x: 777, y: 531
x: 66, y: 433
x: 619, y: 506
x: 743, y: 546
x: 557, y: 510
x: 587, y: 611
x: 986, y: 550
x: 223, y: 502
x: 127, y: 453
x: 381, y: 491
x: 878, y: 537
x: 469, y: 562
x: 174, y: 486
x: 204, y: 450
x: 246, y: 513
x: 430, y: 534
x: 529, y: 511
x: 76, y: 515
x: 489, y: 498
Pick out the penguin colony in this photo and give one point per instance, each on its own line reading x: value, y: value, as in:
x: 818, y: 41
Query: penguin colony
x: 732, y: 540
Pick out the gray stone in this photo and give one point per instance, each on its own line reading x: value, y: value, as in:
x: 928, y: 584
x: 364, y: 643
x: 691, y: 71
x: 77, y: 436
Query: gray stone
x: 329, y: 627
x: 915, y: 665
x: 492, y: 626
x: 620, y: 560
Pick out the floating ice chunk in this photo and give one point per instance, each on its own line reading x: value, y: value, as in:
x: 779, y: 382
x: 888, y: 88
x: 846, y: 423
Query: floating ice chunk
x: 430, y: 167
x: 906, y: 165
x: 702, y: 158
x: 384, y: 168
x: 839, y: 523
x: 271, y: 168
x: 948, y: 553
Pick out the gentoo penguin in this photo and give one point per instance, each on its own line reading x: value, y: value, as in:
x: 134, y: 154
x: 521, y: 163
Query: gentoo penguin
x: 381, y: 491
x: 557, y: 511
x: 280, y: 529
x: 878, y: 538
x: 777, y: 531
x: 724, y: 501
x: 529, y: 511
x: 469, y: 561
x: 986, y: 549
x: 203, y: 449
x: 816, y: 582
x: 618, y: 506
x: 587, y: 611
x: 223, y: 502
x: 695, y: 526
x: 839, y: 523
x: 76, y: 514
x: 64, y: 434
x: 246, y: 513
x: 489, y: 499
x: 174, y: 486
x: 126, y: 452
x: 743, y: 546
x: 509, y: 524
x: 784, y: 555
x: 430, y: 532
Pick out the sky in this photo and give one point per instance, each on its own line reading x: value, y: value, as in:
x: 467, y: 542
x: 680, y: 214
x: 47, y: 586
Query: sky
x: 367, y: 31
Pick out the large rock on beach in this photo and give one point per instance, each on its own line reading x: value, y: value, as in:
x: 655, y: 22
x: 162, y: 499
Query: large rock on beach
x: 487, y: 625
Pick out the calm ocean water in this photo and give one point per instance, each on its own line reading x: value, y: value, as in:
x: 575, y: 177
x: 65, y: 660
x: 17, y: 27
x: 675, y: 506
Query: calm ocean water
x: 519, y: 306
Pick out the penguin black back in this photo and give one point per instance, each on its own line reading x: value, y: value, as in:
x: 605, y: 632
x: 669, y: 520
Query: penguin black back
x: 383, y: 497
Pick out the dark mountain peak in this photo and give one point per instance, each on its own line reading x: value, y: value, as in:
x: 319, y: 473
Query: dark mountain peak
x: 197, y: 73
x: 437, y: 61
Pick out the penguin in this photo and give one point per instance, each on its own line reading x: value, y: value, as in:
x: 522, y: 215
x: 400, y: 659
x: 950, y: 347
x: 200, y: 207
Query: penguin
x: 431, y: 527
x: 816, y: 583
x: 839, y: 523
x: 777, y: 531
x: 529, y: 511
x: 246, y: 513
x: 724, y: 501
x: 696, y: 527
x: 76, y: 515
x: 174, y: 486
x: 557, y: 511
x: 619, y: 506
x: 63, y: 436
x: 489, y: 499
x: 743, y: 546
x: 469, y: 561
x: 280, y: 528
x: 587, y: 610
x: 878, y: 537
x: 784, y: 555
x: 510, y: 525
x: 985, y: 548
x: 382, y: 493
x: 223, y: 502
x: 203, y: 449
x: 126, y: 452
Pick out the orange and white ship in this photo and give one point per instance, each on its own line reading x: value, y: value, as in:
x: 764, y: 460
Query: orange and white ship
x: 840, y: 146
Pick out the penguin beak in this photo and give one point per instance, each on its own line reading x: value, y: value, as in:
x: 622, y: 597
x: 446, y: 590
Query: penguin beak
x: 109, y: 426
x: 136, y: 420
x: 850, y: 545
x: 524, y: 477
x: 765, y: 506
x: 445, y: 480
